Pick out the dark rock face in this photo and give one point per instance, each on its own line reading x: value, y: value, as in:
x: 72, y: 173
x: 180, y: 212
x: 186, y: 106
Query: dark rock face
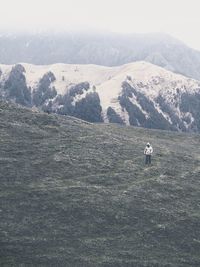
x: 64, y: 104
x: 15, y: 87
x: 44, y: 92
x: 79, y: 88
x: 147, y: 115
x: 191, y: 103
x: 87, y: 107
x: 113, y: 117
x: 165, y: 107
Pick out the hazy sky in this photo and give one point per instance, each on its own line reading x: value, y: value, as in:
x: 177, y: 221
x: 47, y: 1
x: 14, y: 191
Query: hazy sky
x: 180, y: 18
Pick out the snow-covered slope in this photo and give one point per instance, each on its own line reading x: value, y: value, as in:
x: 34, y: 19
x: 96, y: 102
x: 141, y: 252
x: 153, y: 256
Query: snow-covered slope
x: 67, y: 74
x: 137, y: 93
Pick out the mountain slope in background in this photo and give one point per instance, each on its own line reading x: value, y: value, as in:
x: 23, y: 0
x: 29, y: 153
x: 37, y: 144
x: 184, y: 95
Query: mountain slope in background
x: 106, y: 49
x: 78, y: 194
x: 139, y: 93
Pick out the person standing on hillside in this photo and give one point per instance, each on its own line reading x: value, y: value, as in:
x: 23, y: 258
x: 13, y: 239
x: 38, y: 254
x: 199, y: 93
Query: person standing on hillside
x: 148, y: 151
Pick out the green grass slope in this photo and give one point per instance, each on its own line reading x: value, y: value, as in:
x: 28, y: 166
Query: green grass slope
x: 78, y: 194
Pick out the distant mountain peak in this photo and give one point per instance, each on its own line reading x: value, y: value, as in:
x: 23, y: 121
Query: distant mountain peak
x: 106, y: 49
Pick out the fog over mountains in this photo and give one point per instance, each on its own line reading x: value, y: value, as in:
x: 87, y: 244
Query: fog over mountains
x: 107, y: 49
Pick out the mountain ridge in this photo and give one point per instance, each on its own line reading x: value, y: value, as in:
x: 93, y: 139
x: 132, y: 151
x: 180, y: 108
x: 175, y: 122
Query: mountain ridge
x: 139, y: 93
x: 109, y: 49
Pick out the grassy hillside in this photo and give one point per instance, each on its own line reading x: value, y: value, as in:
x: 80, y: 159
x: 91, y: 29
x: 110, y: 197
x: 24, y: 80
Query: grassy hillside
x: 77, y: 194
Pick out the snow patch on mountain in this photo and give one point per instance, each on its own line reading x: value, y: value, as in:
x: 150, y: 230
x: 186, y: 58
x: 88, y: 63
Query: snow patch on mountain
x: 5, y: 69
x: 69, y: 74
x: 149, y: 78
x: 125, y: 116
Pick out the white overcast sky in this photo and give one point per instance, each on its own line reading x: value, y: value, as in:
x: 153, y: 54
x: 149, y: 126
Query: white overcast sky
x: 180, y: 18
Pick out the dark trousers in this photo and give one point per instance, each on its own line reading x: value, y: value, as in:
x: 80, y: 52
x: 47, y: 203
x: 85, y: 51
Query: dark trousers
x: 148, y: 159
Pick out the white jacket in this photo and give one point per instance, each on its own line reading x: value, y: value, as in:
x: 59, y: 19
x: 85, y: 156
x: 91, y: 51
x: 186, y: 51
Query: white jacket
x: 148, y: 150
